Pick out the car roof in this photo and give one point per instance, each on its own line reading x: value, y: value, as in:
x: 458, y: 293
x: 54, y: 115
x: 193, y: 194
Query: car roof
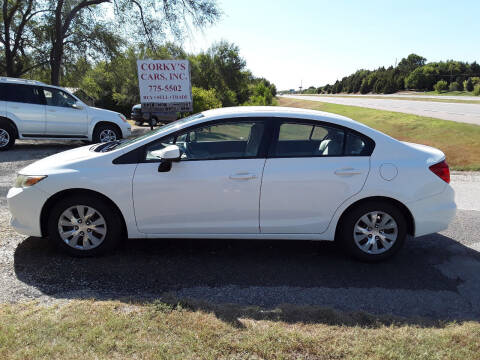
x: 288, y: 112
x: 12, y: 80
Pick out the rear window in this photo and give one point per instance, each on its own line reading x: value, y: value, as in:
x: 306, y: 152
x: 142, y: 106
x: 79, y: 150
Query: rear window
x: 297, y: 139
x: 20, y: 93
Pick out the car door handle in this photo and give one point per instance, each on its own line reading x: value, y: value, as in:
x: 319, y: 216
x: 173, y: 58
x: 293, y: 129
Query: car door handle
x: 347, y: 172
x: 242, y: 176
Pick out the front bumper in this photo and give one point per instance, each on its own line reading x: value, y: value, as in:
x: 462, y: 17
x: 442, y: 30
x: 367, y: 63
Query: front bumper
x: 434, y: 213
x: 136, y: 116
x: 25, y: 205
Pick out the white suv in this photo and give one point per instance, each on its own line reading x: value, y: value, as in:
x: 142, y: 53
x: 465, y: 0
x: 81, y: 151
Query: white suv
x: 33, y: 110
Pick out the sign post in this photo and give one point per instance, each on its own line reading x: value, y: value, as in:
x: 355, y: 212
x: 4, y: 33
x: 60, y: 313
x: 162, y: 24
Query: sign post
x: 165, y: 85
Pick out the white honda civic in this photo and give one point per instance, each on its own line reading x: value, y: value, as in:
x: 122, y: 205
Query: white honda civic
x: 240, y: 173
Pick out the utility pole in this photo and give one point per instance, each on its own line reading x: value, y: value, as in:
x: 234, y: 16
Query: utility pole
x: 301, y: 81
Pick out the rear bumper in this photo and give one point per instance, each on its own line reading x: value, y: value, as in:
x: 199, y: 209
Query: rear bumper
x: 25, y: 205
x: 434, y: 213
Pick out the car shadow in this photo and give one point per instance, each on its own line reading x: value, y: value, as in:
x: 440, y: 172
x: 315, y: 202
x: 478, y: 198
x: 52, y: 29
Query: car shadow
x: 235, y: 278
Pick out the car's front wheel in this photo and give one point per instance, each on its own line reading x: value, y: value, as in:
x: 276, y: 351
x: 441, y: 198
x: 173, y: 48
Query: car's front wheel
x: 84, y: 226
x: 105, y: 133
x: 373, y: 231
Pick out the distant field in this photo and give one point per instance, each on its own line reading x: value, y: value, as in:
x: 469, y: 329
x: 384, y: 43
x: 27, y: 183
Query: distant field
x: 460, y: 142
x: 416, y: 98
x: 119, y: 330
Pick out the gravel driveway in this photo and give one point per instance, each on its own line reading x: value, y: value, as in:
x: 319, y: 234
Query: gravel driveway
x: 434, y: 276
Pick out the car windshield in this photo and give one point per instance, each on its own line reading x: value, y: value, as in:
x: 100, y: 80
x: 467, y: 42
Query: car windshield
x: 161, y: 129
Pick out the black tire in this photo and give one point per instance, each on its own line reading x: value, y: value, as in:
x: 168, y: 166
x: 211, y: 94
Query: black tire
x: 345, y: 233
x: 111, y: 217
x: 154, y: 121
x: 7, y: 136
x: 101, y: 129
x: 138, y: 123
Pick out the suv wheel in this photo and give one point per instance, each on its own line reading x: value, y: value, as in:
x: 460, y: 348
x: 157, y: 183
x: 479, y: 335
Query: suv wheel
x: 84, y: 226
x: 7, y: 137
x: 105, y: 133
x: 373, y: 231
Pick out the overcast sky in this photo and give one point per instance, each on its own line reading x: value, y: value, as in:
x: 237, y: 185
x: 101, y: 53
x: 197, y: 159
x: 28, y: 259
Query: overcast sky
x: 319, y: 41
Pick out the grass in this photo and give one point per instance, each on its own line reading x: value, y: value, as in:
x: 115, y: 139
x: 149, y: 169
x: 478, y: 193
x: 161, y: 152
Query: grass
x: 460, y: 142
x: 116, y: 330
x: 418, y: 98
x: 445, y: 93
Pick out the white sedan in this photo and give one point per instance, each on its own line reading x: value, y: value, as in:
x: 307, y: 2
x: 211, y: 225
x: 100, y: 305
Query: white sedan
x: 240, y: 173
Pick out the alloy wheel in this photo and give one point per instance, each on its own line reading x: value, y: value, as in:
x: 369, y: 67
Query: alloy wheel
x: 107, y: 135
x: 4, y: 138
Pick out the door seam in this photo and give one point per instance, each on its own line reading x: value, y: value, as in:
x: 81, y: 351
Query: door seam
x: 260, y: 196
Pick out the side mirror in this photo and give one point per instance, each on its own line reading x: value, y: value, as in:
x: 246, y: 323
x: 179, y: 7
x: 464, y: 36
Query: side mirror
x: 78, y: 105
x: 168, y: 153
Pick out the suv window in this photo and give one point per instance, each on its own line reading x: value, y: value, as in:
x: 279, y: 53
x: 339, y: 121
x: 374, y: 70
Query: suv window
x: 218, y: 141
x: 297, y: 139
x: 56, y: 97
x: 20, y: 93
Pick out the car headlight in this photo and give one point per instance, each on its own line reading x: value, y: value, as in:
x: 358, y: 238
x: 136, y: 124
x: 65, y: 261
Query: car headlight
x: 24, y: 181
x: 123, y: 117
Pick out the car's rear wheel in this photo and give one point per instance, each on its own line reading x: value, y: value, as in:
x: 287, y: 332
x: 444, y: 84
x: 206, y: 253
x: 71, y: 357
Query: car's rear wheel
x: 373, y: 231
x: 105, y: 133
x: 84, y: 226
x: 7, y: 136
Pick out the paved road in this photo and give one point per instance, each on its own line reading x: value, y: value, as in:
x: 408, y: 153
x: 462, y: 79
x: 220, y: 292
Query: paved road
x: 467, y: 113
x: 415, y: 96
x: 434, y: 276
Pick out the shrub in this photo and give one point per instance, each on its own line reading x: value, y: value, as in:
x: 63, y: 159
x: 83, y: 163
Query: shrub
x: 204, y: 99
x: 262, y: 95
x: 440, y: 86
x: 468, y: 84
x: 476, y: 90
x: 454, y: 86
x: 475, y: 80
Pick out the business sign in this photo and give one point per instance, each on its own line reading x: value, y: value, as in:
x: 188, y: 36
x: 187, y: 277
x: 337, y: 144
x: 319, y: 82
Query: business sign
x: 165, y: 85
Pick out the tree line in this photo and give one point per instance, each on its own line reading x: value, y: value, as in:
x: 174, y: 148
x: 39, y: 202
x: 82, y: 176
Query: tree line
x: 94, y: 45
x: 411, y: 73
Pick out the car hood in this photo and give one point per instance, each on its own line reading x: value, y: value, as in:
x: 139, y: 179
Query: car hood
x: 92, y: 110
x: 64, y: 160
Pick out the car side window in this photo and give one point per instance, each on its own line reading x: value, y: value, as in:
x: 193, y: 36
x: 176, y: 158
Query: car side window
x: 355, y: 145
x: 304, y: 139
x: 231, y: 140
x: 22, y: 93
x: 56, y: 97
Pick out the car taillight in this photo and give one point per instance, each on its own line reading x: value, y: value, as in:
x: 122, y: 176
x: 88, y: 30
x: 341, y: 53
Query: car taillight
x: 441, y: 170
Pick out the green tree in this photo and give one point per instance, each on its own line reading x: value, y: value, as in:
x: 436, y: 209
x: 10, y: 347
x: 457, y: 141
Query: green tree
x: 69, y: 25
x: 454, y: 86
x: 468, y: 84
x: 476, y: 90
x: 440, y: 86
x: 204, y: 99
x: 18, y: 37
